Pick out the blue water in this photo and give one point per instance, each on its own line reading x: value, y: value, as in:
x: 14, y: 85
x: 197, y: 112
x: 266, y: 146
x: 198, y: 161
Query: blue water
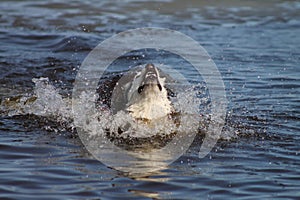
x: 255, y: 46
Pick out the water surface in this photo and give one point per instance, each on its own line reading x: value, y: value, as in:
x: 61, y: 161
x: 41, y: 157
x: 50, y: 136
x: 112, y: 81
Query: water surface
x: 255, y: 46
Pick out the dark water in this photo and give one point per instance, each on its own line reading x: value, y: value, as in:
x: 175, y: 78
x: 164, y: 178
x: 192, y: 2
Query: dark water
x: 256, y: 48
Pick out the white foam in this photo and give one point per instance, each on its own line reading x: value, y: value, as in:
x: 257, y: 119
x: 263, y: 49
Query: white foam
x: 50, y: 103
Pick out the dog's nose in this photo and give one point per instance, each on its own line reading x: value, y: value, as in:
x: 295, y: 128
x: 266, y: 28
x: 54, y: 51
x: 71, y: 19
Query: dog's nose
x: 151, y: 75
x: 150, y: 66
x: 151, y: 78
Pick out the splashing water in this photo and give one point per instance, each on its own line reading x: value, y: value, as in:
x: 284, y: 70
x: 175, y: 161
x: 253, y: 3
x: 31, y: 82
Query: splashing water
x: 46, y: 101
x: 123, y: 125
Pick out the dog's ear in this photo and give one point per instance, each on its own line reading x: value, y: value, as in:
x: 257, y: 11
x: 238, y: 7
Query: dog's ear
x: 104, y: 90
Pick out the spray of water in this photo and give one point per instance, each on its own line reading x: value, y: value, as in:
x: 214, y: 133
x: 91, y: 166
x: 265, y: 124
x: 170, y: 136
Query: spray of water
x: 46, y: 101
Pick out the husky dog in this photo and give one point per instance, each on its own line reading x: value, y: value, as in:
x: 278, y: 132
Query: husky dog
x: 147, y: 97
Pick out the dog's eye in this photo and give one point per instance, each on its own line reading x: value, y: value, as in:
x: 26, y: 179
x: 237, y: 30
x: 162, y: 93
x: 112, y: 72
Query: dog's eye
x: 140, y: 89
x: 159, y: 87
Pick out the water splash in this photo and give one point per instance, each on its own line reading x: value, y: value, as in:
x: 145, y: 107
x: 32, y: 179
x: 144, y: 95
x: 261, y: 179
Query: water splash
x: 46, y: 101
x: 123, y: 125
